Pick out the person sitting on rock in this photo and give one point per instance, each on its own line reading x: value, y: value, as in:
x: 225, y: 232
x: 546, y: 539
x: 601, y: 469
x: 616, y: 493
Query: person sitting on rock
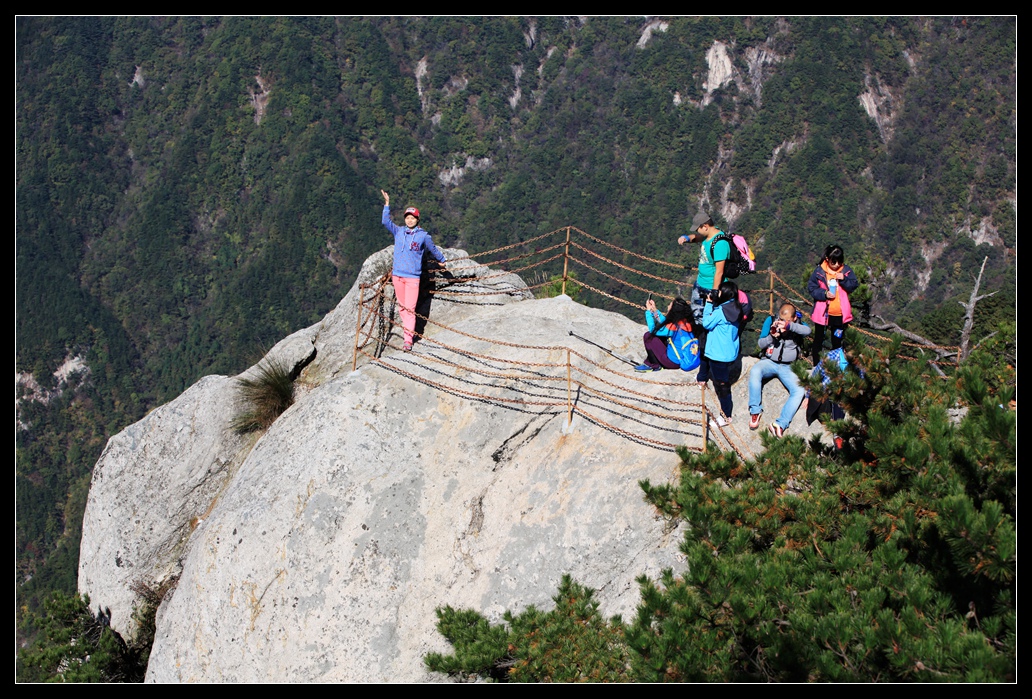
x: 780, y: 341
x: 661, y: 328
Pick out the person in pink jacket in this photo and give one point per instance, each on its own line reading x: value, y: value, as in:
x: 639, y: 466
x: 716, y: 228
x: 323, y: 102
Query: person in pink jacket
x: 830, y: 286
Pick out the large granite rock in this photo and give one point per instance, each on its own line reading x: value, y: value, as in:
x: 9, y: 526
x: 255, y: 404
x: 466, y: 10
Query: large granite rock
x: 449, y: 475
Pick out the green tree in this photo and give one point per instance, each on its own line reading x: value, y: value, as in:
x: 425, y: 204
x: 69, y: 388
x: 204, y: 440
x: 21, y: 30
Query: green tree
x: 890, y: 559
x: 571, y: 643
x: 75, y: 645
x: 555, y: 287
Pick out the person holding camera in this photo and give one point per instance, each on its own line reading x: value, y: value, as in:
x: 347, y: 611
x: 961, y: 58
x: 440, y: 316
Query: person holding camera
x: 721, y: 317
x: 780, y: 340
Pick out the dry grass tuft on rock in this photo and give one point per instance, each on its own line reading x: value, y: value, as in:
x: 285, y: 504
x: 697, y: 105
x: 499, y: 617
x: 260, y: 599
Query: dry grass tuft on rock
x: 264, y: 397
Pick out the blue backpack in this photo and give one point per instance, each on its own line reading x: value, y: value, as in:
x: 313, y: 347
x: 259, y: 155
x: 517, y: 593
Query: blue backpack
x: 683, y: 349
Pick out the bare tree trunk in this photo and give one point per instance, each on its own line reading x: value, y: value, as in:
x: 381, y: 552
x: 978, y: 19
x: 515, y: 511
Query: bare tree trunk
x: 882, y: 324
x: 914, y: 337
x: 965, y: 336
x: 969, y: 313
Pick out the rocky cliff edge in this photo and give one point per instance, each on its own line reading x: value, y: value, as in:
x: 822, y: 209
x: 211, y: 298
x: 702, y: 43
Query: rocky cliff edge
x: 319, y: 550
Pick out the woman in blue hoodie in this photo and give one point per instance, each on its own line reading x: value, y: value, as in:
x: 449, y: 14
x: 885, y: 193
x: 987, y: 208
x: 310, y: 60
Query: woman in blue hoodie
x: 409, y: 242
x: 721, y: 316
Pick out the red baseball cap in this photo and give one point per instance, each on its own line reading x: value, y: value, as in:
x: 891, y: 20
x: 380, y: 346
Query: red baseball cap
x: 412, y: 210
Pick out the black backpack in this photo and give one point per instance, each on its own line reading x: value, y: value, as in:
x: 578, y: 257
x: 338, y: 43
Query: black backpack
x: 736, y: 263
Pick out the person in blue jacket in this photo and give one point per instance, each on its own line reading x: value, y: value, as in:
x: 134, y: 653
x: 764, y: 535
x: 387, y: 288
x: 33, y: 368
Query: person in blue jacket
x: 661, y: 328
x: 721, y: 317
x: 409, y: 242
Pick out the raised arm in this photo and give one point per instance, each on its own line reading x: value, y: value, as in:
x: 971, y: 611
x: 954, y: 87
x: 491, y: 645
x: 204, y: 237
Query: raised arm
x: 386, y: 218
x: 656, y: 322
x: 800, y: 329
x: 710, y: 316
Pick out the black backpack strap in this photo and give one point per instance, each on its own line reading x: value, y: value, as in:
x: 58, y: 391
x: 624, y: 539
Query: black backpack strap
x: 722, y: 236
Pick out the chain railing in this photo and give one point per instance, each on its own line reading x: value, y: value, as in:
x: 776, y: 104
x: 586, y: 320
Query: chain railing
x: 765, y: 282
x: 538, y: 378
x: 564, y: 381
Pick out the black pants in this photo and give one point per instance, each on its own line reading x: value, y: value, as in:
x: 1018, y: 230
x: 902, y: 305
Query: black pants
x: 720, y: 373
x: 837, y: 330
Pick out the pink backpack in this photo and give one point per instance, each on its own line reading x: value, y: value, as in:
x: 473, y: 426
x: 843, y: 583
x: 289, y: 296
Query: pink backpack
x: 740, y: 259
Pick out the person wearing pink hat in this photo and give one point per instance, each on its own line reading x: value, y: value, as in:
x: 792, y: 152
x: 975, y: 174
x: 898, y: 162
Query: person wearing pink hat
x: 409, y: 243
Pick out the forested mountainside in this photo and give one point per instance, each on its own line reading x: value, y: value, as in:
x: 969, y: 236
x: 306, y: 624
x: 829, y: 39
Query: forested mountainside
x: 192, y: 189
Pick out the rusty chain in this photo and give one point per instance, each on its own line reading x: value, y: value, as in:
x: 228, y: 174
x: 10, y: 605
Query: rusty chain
x: 508, y: 259
x: 509, y: 247
x: 675, y: 282
x: 617, y: 279
x: 628, y: 252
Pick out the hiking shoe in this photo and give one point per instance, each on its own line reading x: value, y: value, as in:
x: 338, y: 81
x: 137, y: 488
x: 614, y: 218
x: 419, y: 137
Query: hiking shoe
x: 407, y: 347
x: 646, y: 367
x: 721, y: 420
x: 754, y: 421
x: 775, y: 429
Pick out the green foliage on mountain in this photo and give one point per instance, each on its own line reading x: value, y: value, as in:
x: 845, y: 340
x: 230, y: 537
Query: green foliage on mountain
x: 190, y: 188
x: 893, y: 559
x: 74, y: 644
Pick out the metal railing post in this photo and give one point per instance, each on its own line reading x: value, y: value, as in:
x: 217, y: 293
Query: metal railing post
x: 569, y: 394
x: 770, y: 304
x: 358, y: 324
x: 566, y: 259
x: 705, y: 421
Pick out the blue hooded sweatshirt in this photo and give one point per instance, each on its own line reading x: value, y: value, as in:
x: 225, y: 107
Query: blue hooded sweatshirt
x: 408, y: 247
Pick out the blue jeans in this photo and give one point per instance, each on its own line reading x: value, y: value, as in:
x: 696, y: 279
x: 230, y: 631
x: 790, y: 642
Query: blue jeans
x: 767, y: 369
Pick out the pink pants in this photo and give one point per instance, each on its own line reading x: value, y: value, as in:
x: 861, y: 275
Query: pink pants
x: 406, y: 290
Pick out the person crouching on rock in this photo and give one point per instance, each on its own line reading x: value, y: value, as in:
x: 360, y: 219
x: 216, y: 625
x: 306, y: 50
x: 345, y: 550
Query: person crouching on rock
x: 409, y: 242
x: 661, y: 328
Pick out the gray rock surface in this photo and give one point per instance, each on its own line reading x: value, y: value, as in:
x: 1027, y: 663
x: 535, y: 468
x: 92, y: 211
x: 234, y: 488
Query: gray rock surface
x: 154, y: 482
x: 448, y: 475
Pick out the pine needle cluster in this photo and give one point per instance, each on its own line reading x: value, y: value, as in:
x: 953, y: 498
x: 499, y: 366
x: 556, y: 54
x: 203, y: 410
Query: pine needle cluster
x: 890, y: 560
x: 74, y: 644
